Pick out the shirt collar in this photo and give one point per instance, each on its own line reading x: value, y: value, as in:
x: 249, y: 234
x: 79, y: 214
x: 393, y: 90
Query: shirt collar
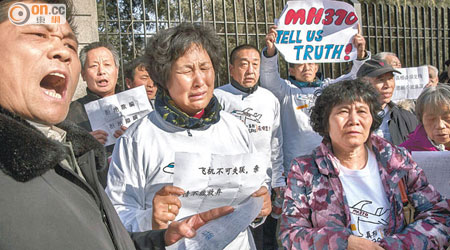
x: 51, y: 132
x: 249, y: 91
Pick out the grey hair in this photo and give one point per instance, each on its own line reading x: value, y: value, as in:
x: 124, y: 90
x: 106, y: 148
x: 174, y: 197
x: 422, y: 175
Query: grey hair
x: 433, y: 99
x: 96, y: 45
x: 166, y: 46
x: 383, y: 55
x: 436, y: 71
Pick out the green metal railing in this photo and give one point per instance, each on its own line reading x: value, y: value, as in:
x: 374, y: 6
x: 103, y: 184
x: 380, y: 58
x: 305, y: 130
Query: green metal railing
x: 418, y: 35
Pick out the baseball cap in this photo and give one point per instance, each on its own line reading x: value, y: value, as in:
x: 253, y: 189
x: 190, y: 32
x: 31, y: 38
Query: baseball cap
x: 374, y: 68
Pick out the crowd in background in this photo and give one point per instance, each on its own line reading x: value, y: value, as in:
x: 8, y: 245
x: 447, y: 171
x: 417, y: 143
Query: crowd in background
x: 341, y: 174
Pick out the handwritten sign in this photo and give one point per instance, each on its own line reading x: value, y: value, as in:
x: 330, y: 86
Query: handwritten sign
x: 212, y: 181
x: 317, y: 31
x: 410, y: 83
x: 111, y: 112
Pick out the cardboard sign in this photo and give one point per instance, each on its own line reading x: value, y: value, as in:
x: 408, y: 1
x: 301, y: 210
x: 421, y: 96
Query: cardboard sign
x: 317, y: 31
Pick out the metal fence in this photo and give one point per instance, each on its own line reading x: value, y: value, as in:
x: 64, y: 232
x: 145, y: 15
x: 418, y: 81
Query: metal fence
x: 419, y: 35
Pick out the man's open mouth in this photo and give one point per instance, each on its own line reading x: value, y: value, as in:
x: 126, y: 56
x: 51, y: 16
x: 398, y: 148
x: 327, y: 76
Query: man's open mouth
x: 54, y: 85
x: 102, y: 83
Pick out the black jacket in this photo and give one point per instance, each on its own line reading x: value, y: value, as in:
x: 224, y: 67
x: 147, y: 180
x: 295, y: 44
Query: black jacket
x: 77, y: 114
x: 47, y: 206
x: 401, y: 124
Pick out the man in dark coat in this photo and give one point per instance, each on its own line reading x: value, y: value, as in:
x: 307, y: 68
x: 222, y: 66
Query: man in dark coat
x: 100, y: 70
x: 397, y: 123
x: 51, y: 197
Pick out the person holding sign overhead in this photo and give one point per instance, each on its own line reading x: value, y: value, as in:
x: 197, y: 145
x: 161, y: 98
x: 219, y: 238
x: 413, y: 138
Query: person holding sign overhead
x: 297, y: 95
x: 187, y: 118
x: 347, y: 194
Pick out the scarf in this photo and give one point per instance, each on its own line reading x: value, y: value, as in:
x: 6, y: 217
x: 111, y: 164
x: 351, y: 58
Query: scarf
x: 166, y: 107
x: 317, y: 83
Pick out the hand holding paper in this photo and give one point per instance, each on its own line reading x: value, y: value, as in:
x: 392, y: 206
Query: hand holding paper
x: 267, y: 204
x: 166, y: 206
x: 100, y: 135
x: 218, y: 233
x: 120, y: 131
x: 111, y: 113
x: 187, y: 228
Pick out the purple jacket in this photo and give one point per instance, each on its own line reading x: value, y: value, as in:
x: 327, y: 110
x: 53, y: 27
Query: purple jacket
x: 418, y: 141
x: 316, y: 214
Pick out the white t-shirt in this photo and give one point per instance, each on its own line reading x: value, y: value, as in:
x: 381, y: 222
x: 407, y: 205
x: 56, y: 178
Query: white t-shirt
x: 367, y: 200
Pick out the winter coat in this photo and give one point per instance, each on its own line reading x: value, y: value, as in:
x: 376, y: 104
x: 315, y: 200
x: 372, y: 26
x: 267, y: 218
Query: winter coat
x: 45, y: 205
x: 401, y: 123
x: 316, y: 214
x: 77, y: 112
x: 418, y: 141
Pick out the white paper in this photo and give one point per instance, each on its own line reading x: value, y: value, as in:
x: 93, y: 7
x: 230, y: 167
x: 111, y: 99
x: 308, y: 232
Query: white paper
x: 212, y: 181
x: 410, y: 83
x: 111, y: 112
x: 217, y: 234
x: 436, y: 166
x: 301, y: 40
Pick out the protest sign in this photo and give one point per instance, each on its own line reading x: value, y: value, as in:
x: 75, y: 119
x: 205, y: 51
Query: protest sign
x: 211, y: 180
x: 410, y: 83
x: 111, y: 112
x: 317, y: 31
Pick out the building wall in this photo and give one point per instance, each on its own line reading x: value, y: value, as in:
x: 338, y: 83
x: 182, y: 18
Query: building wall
x: 87, y: 22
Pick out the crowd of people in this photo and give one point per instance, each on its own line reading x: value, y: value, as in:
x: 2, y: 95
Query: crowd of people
x: 340, y: 173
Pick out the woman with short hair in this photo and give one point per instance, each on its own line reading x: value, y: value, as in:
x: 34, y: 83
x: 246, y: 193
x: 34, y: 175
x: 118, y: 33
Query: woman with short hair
x: 345, y: 195
x: 187, y: 118
x: 433, y: 113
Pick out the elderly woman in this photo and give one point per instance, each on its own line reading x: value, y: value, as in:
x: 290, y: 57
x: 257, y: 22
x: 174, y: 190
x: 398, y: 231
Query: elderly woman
x: 345, y: 195
x: 433, y: 113
x: 187, y: 118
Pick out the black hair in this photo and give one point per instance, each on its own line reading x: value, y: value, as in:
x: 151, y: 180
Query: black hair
x: 166, y: 46
x: 137, y: 63
x: 239, y: 48
x: 344, y: 92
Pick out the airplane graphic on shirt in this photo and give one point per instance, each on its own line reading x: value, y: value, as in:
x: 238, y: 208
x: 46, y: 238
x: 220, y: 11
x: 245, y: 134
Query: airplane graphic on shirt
x: 246, y: 114
x: 365, y: 216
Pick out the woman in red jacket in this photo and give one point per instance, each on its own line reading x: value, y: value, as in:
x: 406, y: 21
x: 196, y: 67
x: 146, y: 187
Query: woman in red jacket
x: 433, y: 112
